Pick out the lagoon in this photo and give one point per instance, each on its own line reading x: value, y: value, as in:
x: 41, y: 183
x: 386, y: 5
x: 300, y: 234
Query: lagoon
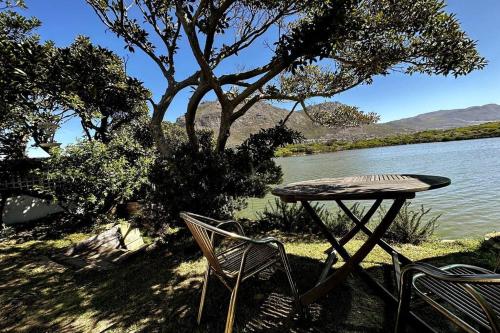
x: 470, y: 206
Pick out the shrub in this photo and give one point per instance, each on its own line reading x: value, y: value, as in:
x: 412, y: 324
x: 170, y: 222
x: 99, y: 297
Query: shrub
x: 90, y: 177
x: 204, y: 181
x: 288, y: 217
x: 411, y: 226
x: 284, y: 152
x: 308, y: 150
x: 341, y: 224
x: 293, y: 218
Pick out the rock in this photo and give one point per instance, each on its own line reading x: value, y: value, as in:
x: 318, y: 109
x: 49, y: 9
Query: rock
x: 493, y: 240
x: 102, y: 252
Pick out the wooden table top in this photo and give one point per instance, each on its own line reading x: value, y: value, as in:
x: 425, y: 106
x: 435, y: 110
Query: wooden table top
x: 360, y: 187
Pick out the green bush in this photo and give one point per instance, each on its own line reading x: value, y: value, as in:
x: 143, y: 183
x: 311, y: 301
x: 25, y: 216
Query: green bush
x: 284, y: 152
x: 487, y: 130
x: 279, y: 215
x: 204, y: 181
x: 342, y: 223
x: 411, y: 226
x: 308, y: 150
x: 287, y: 217
x: 90, y: 178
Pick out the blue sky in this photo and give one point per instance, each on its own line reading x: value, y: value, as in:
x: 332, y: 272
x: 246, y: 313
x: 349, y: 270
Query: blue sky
x: 393, y: 97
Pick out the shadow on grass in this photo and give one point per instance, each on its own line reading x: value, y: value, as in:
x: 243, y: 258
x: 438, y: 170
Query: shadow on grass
x: 152, y: 293
x: 159, y: 292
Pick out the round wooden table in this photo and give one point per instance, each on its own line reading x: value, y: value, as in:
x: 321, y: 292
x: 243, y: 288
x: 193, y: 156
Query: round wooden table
x: 398, y: 188
x: 360, y: 187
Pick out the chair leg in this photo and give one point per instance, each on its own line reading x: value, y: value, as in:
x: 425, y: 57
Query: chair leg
x: 293, y: 287
x: 232, y: 306
x: 397, y: 269
x: 203, y: 293
x: 403, y: 305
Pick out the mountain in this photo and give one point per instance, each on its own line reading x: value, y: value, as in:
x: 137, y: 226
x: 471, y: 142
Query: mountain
x: 265, y: 115
x: 445, y: 119
x: 261, y: 115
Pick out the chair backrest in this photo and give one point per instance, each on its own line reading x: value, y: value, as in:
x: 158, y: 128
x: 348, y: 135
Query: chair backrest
x: 204, y: 233
x: 465, y: 287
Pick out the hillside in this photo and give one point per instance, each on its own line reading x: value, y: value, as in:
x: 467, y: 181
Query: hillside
x: 265, y: 115
x: 262, y: 115
x: 482, y: 131
x: 444, y: 119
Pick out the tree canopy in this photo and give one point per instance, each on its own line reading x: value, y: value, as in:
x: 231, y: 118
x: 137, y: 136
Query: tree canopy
x: 103, y: 96
x: 318, y: 49
x: 42, y: 86
x: 27, y: 91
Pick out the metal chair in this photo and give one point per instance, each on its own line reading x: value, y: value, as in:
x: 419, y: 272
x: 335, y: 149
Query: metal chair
x: 468, y: 296
x: 234, y: 264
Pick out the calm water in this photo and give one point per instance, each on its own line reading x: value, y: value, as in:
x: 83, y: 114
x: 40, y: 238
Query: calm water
x: 470, y: 206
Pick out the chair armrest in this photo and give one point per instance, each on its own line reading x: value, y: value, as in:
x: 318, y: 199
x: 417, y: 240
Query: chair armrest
x: 443, y: 275
x: 216, y: 229
x: 271, y: 240
x: 397, y: 269
x: 238, y: 226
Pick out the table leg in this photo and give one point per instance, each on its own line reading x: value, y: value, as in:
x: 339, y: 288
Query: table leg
x: 330, y: 261
x: 324, y: 229
x: 351, y: 262
x: 332, y: 256
x: 361, y: 225
x: 357, y: 223
x: 357, y: 227
x: 388, y: 295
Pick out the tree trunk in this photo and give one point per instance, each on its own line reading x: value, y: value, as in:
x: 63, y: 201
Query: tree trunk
x: 190, y: 128
x: 190, y: 115
x: 224, y: 128
x: 157, y: 130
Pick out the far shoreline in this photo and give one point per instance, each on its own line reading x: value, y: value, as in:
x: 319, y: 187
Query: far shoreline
x: 482, y: 131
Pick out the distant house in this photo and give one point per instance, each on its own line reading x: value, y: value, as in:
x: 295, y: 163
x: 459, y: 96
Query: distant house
x: 19, y: 201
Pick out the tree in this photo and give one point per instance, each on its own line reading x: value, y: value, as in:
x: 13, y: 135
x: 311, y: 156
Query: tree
x: 91, y: 177
x: 103, y: 97
x: 27, y: 88
x: 42, y: 85
x: 320, y: 48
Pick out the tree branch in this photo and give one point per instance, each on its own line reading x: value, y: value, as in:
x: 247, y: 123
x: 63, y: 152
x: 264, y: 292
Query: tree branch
x: 120, y: 17
x: 198, y: 54
x: 241, y: 111
x: 273, y: 71
x: 192, y: 107
x: 289, y: 114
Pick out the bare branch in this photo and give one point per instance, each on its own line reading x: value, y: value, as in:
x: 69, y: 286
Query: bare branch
x: 250, y: 33
x: 306, y: 112
x: 198, y: 54
x: 234, y: 78
x: 289, y: 114
x: 241, y: 111
x: 120, y: 18
x: 274, y: 70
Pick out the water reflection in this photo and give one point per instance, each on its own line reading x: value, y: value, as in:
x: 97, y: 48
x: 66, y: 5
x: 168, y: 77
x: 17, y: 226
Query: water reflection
x: 470, y: 206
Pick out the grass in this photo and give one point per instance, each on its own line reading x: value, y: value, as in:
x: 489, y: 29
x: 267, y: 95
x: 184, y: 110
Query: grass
x: 158, y: 292
x: 487, y: 130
